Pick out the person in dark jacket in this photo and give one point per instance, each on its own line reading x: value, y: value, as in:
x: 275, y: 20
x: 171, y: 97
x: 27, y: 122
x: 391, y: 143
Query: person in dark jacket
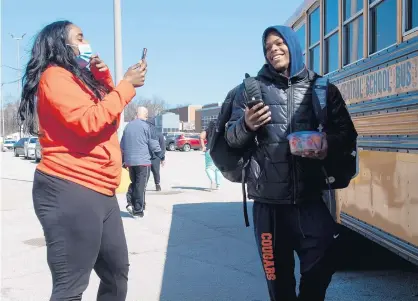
x: 138, y: 148
x: 157, y: 159
x: 289, y: 213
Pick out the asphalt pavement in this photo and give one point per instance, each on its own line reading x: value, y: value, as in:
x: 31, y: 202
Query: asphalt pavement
x: 191, y: 245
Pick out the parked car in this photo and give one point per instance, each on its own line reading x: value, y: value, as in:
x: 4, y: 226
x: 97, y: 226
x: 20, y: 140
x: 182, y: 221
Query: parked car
x: 19, y: 147
x: 29, y: 148
x: 186, y: 142
x: 7, y: 145
x: 170, y: 140
x: 38, y: 151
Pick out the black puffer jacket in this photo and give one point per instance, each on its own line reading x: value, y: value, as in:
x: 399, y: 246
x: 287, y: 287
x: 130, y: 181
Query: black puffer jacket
x: 276, y: 176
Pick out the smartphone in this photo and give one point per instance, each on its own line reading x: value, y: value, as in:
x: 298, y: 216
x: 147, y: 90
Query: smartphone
x: 144, y: 54
x: 253, y: 103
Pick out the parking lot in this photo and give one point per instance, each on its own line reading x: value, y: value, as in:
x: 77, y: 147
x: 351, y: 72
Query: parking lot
x: 192, y: 245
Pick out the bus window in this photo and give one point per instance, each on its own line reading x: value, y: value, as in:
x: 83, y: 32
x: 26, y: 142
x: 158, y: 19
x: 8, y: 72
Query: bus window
x: 314, y: 28
x: 353, y: 40
x: 411, y: 14
x: 300, y: 32
x: 331, y: 40
x: 351, y: 8
x: 383, y: 24
x: 314, y: 38
x: 314, y: 55
x: 331, y: 54
x: 331, y: 16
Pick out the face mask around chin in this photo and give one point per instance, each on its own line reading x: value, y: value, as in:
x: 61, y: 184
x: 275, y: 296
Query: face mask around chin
x: 82, y: 62
x: 83, y: 59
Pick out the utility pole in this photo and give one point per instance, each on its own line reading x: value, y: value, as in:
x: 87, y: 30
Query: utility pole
x: 1, y: 105
x: 18, y: 39
x: 117, y: 20
x: 1, y: 81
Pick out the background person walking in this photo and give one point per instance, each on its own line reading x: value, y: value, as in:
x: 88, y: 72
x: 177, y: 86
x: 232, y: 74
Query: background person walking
x: 157, y: 159
x: 137, y: 149
x: 211, y: 170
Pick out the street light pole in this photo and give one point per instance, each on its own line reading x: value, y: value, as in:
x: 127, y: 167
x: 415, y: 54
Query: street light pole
x: 2, y: 110
x: 18, y: 39
x: 117, y: 20
x: 1, y: 81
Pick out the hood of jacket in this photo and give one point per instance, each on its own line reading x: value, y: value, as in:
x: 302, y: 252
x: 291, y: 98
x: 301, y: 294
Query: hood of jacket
x: 297, y: 66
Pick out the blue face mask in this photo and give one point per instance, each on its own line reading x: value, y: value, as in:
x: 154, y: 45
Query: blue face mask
x: 83, y: 59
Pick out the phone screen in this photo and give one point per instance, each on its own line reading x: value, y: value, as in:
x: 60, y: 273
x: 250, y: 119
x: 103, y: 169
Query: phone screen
x: 251, y: 104
x: 144, y: 54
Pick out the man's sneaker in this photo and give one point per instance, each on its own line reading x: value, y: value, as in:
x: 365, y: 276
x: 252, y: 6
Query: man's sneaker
x: 158, y: 187
x: 138, y: 213
x: 130, y: 209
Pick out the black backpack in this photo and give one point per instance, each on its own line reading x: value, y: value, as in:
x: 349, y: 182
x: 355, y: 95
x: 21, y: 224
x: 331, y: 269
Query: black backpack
x: 231, y: 162
x: 209, y: 132
x: 339, y: 168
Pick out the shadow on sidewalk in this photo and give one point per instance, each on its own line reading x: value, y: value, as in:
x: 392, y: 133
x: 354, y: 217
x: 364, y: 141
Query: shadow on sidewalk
x: 363, y: 254
x: 124, y: 214
x: 191, y: 188
x: 211, y: 255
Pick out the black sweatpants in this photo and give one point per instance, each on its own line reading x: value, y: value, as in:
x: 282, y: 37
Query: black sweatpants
x: 307, y: 229
x: 139, y: 177
x: 83, y: 231
x: 155, y: 168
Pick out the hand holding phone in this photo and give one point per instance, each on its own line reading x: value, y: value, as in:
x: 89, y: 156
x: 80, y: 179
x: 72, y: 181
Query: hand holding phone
x: 136, y: 74
x: 258, y: 115
x: 254, y: 102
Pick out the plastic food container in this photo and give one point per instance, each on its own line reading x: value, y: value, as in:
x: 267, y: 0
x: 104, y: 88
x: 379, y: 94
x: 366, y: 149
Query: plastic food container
x: 306, y: 141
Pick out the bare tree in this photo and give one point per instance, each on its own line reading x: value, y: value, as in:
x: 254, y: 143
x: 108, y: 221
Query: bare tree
x: 155, y: 106
x: 130, y: 111
x: 181, y: 105
x: 11, y: 124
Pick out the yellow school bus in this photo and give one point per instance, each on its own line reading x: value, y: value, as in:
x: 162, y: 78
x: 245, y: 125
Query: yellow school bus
x: 369, y: 49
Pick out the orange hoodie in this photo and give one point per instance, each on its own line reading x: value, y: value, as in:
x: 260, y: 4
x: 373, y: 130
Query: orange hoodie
x: 78, y: 133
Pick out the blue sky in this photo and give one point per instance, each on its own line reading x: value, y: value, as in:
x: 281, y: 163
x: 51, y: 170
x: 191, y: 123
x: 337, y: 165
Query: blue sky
x: 197, y: 50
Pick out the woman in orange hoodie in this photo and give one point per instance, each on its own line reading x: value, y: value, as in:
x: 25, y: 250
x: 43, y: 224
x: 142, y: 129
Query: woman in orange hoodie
x: 69, y: 99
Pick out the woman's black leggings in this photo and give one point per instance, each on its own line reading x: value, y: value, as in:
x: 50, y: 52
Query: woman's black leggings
x: 83, y: 231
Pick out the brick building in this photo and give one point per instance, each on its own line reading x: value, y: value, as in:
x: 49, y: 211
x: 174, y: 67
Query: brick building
x: 187, y: 116
x: 206, y: 114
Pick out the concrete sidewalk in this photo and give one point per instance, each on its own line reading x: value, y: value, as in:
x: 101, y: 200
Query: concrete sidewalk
x: 191, y: 245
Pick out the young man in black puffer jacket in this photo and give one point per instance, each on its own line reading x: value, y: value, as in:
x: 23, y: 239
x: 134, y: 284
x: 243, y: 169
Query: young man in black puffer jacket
x: 289, y: 213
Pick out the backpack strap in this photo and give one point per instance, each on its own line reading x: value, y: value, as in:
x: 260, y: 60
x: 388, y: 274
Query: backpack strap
x: 252, y: 87
x: 244, y: 194
x: 253, y: 91
x: 319, y: 100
